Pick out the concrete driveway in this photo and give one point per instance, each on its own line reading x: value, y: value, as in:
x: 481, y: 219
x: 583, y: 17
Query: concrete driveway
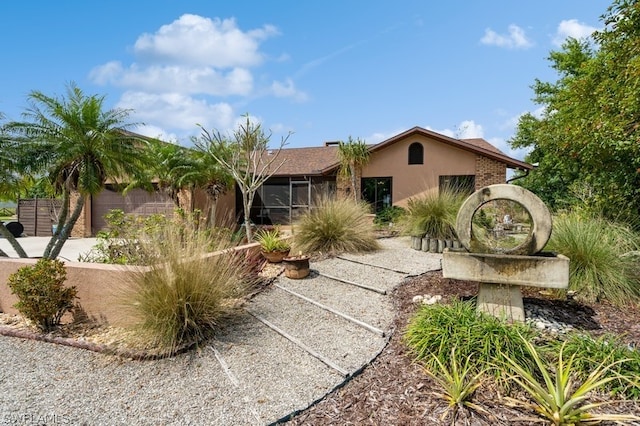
x: 34, y: 246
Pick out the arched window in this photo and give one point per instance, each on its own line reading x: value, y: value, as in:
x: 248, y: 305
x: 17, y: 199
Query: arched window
x: 416, y: 153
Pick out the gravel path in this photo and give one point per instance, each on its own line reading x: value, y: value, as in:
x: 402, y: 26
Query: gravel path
x: 281, y: 355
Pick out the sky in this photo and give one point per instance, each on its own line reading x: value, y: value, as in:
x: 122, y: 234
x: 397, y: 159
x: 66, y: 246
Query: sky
x: 320, y: 70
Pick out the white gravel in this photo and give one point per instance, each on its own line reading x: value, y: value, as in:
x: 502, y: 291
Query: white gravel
x: 248, y: 375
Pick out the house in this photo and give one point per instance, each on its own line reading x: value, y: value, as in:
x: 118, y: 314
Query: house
x: 401, y: 167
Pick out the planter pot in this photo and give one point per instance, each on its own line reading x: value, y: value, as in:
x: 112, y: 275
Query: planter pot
x: 296, y: 267
x: 275, y: 256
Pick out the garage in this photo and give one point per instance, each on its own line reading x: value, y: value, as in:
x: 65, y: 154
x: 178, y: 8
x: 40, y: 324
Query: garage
x: 137, y: 201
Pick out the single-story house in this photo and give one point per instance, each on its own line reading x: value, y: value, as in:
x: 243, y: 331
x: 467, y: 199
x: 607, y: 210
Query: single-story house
x: 401, y: 167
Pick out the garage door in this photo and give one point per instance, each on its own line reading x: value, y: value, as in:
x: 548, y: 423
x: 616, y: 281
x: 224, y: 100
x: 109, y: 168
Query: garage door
x: 137, y: 201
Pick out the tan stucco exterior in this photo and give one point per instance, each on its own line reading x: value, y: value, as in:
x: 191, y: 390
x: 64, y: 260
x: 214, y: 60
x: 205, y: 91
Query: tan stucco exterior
x: 411, y: 180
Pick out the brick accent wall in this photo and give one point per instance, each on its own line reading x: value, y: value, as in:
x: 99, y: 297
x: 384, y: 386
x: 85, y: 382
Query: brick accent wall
x: 489, y: 172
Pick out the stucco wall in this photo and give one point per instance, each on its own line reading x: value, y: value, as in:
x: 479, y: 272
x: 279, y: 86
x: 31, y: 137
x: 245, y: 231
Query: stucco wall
x: 100, y: 287
x: 412, y: 180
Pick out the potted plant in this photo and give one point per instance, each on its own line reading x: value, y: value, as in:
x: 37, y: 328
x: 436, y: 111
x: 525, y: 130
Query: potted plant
x: 273, y: 247
x: 296, y: 267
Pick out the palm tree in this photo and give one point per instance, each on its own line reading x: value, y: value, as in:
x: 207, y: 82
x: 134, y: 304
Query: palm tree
x: 353, y: 155
x: 78, y: 146
x: 210, y: 175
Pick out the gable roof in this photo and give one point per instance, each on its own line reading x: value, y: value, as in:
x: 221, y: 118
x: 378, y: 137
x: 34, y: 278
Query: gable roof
x: 324, y: 160
x: 475, y: 145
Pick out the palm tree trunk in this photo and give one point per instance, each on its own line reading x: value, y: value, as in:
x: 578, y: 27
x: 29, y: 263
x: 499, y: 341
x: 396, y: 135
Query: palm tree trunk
x: 66, y: 229
x: 62, y: 218
x: 12, y: 240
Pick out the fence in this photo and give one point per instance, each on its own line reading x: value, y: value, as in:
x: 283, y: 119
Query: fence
x: 38, y: 215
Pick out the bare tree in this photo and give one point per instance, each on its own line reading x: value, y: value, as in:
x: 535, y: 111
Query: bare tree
x: 248, y: 159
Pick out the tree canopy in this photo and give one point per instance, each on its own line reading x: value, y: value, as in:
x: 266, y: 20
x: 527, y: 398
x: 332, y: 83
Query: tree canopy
x: 587, y: 139
x: 78, y: 145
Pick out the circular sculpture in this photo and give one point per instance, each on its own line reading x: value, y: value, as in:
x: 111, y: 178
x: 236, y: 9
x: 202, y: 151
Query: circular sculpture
x: 538, y: 211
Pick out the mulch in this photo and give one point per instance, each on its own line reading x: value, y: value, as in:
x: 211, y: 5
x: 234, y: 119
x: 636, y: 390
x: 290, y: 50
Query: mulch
x: 393, y: 390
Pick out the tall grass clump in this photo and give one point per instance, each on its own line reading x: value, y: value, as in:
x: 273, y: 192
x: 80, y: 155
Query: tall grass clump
x: 589, y: 353
x: 335, y: 225
x: 433, y: 213
x: 436, y: 330
x: 181, y: 298
x: 603, y: 257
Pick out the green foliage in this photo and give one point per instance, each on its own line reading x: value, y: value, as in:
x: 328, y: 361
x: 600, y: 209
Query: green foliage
x: 352, y: 154
x: 433, y: 214
x: 601, y: 266
x: 77, y: 145
x: 42, y: 298
x: 120, y: 243
x: 271, y: 240
x: 335, y: 226
x: 557, y: 397
x: 390, y: 214
x: 589, y: 353
x: 182, y: 299
x: 458, y: 380
x: 435, y: 330
x: 587, y: 134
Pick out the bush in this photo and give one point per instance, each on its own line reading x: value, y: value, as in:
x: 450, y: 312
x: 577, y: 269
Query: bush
x: 180, y: 299
x: 433, y: 214
x: 390, y: 214
x: 436, y: 330
x: 42, y: 298
x: 590, y: 352
x: 600, y: 267
x: 335, y: 226
x: 270, y: 240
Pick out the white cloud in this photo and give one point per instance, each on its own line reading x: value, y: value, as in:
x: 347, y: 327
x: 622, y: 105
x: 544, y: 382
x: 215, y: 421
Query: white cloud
x: 177, y: 111
x: 467, y: 129
x: 199, y: 41
x: 287, y: 89
x: 572, y: 28
x: 159, y: 79
x: 515, y: 39
x: 181, y: 71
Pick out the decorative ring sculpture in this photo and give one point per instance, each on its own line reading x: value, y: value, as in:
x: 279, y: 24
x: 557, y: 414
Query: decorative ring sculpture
x: 538, y: 235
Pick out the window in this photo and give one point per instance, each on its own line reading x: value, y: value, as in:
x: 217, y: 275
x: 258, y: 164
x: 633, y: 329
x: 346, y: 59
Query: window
x: 377, y: 192
x: 416, y: 153
x: 465, y: 184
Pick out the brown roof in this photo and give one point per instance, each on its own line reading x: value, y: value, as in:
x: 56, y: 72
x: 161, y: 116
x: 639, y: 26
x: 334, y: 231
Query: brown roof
x: 476, y: 145
x: 306, y: 161
x: 324, y: 159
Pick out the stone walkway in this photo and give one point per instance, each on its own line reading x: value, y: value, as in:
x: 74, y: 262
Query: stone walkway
x: 299, y: 340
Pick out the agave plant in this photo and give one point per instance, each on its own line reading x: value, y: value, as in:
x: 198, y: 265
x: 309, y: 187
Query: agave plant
x: 558, y: 397
x: 458, y: 380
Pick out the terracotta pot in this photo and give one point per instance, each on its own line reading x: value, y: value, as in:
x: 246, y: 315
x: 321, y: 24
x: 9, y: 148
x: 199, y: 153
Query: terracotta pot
x: 296, y: 267
x: 275, y: 256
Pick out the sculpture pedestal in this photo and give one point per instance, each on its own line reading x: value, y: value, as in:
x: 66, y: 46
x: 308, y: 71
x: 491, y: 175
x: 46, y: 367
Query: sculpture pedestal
x: 501, y: 300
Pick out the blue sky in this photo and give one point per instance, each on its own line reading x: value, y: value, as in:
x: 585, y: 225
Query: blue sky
x: 324, y: 70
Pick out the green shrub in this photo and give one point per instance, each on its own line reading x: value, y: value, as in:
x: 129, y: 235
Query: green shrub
x: 556, y: 394
x: 180, y: 299
x: 42, y: 298
x: 390, y: 214
x: 271, y: 240
x: 335, y: 226
x: 590, y: 352
x: 433, y: 214
x: 600, y: 267
x: 435, y: 330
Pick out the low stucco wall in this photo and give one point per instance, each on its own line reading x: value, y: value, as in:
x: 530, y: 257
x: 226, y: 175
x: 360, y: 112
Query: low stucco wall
x: 99, y: 286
